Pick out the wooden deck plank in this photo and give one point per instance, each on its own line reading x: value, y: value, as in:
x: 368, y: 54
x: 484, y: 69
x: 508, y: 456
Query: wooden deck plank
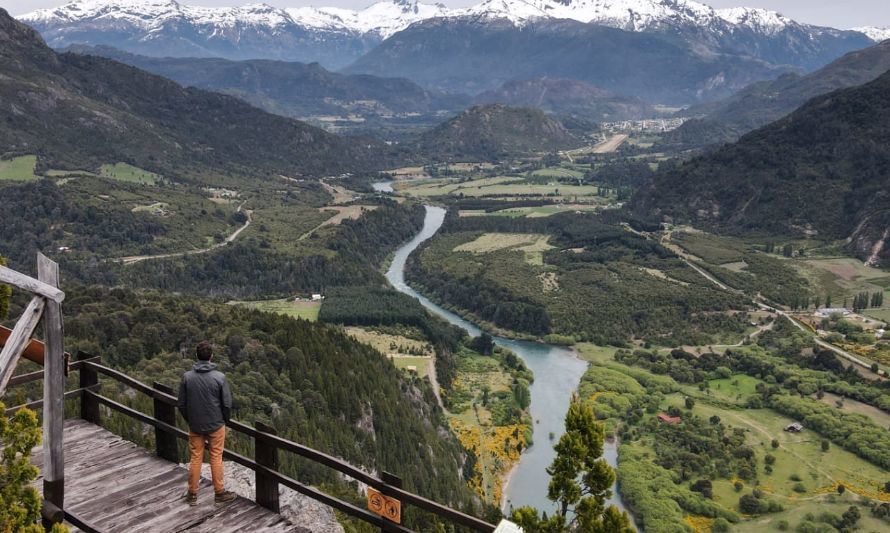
x: 118, y: 486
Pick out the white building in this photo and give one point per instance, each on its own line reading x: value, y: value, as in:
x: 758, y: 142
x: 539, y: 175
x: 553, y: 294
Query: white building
x: 828, y: 311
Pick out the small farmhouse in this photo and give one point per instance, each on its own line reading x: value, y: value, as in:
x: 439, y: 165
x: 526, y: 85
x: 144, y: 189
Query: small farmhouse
x: 668, y: 419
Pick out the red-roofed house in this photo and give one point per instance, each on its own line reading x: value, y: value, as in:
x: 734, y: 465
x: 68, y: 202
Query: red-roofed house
x: 668, y: 419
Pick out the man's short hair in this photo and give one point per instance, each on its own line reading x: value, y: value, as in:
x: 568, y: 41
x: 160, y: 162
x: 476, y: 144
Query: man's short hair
x: 204, y: 351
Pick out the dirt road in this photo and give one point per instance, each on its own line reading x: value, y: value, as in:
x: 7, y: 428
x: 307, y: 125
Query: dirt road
x: 130, y: 260
x: 610, y: 145
x: 759, y: 301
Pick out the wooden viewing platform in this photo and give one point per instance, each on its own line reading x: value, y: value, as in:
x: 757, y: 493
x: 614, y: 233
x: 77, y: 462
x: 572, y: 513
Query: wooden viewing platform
x: 115, y: 485
x: 97, y: 481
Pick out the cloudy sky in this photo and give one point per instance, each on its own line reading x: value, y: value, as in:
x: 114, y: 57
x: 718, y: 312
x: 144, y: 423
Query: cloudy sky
x: 835, y: 13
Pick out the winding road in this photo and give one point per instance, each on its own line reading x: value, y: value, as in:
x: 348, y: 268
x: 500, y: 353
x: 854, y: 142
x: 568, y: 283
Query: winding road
x: 133, y: 259
x: 759, y: 300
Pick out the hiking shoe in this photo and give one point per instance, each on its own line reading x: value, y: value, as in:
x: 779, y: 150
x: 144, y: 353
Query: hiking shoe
x: 191, y: 498
x: 224, y: 497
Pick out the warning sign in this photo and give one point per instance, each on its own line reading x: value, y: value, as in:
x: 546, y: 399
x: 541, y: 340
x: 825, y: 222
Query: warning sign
x: 389, y: 508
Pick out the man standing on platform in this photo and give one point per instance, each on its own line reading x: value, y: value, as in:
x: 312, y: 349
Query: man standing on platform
x: 205, y: 402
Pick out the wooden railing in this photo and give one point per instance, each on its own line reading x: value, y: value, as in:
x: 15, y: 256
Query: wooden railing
x: 266, y: 445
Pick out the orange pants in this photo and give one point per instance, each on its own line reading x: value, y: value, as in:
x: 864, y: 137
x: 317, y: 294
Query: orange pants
x: 215, y: 443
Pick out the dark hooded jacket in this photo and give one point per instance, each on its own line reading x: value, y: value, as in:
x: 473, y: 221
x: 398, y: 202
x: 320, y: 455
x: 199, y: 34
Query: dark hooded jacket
x: 205, y: 400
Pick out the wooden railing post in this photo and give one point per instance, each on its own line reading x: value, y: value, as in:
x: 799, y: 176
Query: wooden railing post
x: 89, y: 405
x: 166, y: 444
x: 266, y: 455
x: 394, y: 481
x: 53, y: 389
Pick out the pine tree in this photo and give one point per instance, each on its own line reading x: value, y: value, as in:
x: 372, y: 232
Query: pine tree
x: 580, y: 482
x: 19, y: 501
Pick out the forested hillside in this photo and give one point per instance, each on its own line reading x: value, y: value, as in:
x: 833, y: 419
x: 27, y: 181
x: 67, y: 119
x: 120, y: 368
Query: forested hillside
x: 822, y: 171
x: 493, y: 131
x: 78, y: 112
x: 290, y: 88
x: 768, y: 101
x: 561, y: 96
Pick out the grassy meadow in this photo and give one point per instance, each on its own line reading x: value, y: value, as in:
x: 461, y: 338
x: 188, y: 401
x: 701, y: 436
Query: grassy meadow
x: 18, y: 168
x: 130, y: 174
x: 305, y: 310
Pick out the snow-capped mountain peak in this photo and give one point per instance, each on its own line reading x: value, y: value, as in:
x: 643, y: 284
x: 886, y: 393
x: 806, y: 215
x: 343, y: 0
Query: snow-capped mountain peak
x: 759, y: 20
x: 382, y: 18
x: 337, y: 36
x: 874, y: 33
x: 632, y: 15
x: 154, y: 13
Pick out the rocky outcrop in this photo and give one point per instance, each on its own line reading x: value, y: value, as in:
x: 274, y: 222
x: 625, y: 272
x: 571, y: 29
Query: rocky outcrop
x: 299, y: 509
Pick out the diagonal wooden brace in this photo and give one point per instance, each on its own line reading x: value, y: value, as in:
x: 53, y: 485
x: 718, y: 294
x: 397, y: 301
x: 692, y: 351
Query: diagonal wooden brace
x: 19, y: 339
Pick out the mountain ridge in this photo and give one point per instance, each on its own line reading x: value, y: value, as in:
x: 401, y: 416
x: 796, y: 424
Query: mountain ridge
x: 293, y: 89
x: 567, y: 97
x: 768, y: 101
x: 469, y: 56
x: 79, y: 112
x: 819, y: 172
x: 337, y: 36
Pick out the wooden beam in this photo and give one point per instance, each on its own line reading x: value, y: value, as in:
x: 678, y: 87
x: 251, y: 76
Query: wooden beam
x: 35, y: 286
x: 266, y: 454
x: 53, y: 389
x: 33, y: 352
x: 19, y: 338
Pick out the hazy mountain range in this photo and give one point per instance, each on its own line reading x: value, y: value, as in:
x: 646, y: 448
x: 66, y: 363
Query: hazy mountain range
x: 294, y: 89
x: 719, y: 51
x: 768, y: 101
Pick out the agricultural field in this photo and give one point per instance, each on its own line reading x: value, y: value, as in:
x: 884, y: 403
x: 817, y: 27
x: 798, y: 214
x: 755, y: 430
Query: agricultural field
x: 558, y: 172
x: 130, y: 174
x: 735, y: 388
x: 307, y: 310
x: 710, y: 248
x: 337, y: 214
x: 406, y: 353
x: 844, y: 277
x: 839, y: 278
x: 533, y: 212
x: 880, y: 314
x: 803, y: 477
x: 500, y: 187
x: 18, y: 168
x: 532, y: 244
x: 391, y: 344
